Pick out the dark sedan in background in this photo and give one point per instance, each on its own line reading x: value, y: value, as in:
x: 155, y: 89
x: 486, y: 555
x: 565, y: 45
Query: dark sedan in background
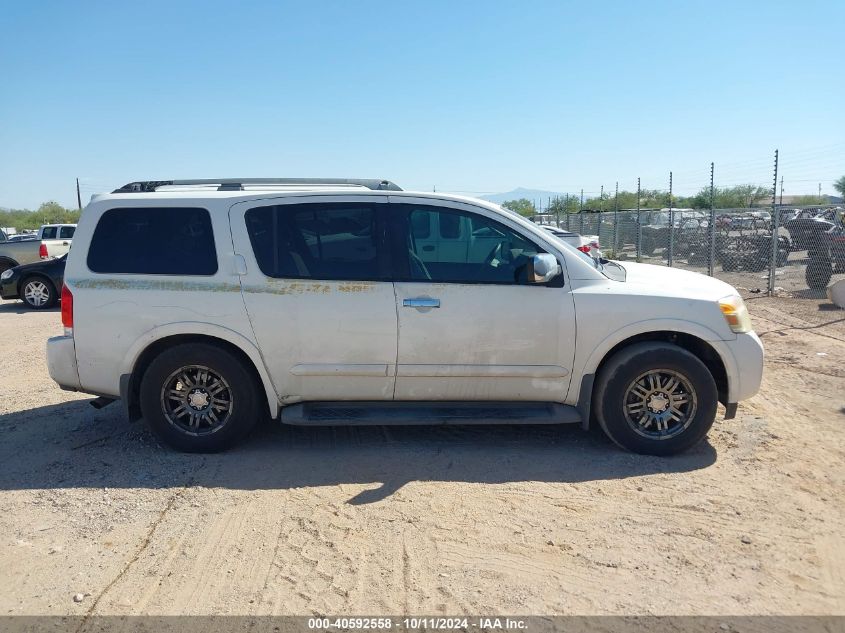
x: 38, y: 285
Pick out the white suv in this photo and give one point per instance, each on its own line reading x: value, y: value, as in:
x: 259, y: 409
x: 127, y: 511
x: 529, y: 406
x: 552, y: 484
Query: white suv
x: 208, y: 305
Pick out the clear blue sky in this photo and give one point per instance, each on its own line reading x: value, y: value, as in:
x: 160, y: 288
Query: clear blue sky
x: 467, y: 96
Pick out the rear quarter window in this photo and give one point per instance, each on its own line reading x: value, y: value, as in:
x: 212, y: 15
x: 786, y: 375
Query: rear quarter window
x: 154, y: 241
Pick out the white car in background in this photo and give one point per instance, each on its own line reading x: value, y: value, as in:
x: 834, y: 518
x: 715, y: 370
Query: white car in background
x: 588, y: 244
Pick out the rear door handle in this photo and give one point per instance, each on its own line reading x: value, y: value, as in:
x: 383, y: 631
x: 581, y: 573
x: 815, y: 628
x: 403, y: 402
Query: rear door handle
x: 421, y: 303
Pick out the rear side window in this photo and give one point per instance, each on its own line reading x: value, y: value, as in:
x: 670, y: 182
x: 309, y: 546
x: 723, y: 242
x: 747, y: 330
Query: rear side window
x: 336, y: 241
x: 154, y: 241
x: 49, y: 233
x: 66, y: 232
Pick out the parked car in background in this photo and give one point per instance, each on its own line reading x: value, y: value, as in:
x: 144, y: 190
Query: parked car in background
x: 827, y: 258
x: 584, y: 243
x: 338, y: 302
x: 52, y: 240
x: 807, y: 229
x: 38, y: 285
x: 23, y: 237
x: 56, y: 239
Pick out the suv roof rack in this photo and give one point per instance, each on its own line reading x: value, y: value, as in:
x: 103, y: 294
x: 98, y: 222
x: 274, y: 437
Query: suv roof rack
x: 237, y: 184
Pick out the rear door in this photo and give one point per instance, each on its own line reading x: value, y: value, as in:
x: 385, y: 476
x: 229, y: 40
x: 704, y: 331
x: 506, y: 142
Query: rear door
x: 470, y: 327
x: 318, y: 293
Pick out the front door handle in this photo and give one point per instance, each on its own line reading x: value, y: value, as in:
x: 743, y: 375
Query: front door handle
x: 421, y: 303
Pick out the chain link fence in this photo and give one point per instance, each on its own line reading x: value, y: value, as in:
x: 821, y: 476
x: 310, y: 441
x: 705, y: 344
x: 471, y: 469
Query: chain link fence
x: 793, y: 251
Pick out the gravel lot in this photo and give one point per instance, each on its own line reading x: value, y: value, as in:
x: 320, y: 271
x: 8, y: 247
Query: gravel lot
x: 97, y: 518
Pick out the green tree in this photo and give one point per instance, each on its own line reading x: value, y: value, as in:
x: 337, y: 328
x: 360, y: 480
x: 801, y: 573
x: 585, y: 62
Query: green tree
x: 523, y: 206
x: 738, y: 197
x: 839, y: 185
x: 49, y: 212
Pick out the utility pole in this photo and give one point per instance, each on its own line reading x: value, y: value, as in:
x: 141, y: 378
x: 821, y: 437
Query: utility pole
x: 781, y: 190
x: 78, y: 195
x: 820, y: 193
x: 601, y: 200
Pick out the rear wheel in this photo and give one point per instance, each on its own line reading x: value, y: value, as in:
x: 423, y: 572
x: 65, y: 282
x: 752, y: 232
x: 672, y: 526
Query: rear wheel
x: 655, y: 399
x: 199, y: 398
x: 38, y: 293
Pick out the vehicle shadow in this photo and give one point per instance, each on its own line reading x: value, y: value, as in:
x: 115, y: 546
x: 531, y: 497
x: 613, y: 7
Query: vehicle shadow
x: 72, y: 445
x: 19, y: 307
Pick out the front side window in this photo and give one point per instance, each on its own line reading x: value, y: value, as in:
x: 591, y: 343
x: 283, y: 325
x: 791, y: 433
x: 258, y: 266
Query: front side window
x: 154, y: 241
x: 333, y: 241
x: 467, y: 248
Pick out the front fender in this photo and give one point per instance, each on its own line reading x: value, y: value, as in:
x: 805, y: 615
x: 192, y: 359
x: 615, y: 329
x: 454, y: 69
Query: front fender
x: 204, y: 329
x: 600, y: 351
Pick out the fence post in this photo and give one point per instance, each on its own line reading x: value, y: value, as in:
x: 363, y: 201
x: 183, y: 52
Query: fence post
x: 775, y: 225
x: 671, y: 225
x: 711, y: 254
x: 639, y: 224
x: 616, y: 222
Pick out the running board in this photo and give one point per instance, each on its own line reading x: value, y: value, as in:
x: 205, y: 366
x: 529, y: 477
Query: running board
x: 427, y: 413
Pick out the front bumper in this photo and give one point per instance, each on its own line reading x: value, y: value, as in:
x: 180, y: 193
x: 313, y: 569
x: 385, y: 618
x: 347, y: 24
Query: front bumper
x: 747, y: 351
x: 61, y: 362
x: 9, y: 289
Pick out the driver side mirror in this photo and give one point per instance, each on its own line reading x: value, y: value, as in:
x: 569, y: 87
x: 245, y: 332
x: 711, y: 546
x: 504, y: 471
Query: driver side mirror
x: 542, y: 268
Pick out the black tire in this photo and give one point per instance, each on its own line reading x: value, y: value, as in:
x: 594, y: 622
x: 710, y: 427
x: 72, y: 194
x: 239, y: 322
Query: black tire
x: 47, y: 289
x: 648, y: 245
x: 620, y: 373
x: 729, y: 264
x: 818, y: 273
x: 242, y: 391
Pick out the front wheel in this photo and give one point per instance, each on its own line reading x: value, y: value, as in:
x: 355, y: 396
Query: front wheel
x: 655, y: 398
x: 38, y: 293
x: 199, y: 398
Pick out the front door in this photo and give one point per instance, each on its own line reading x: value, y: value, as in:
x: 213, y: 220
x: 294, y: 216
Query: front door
x: 470, y: 326
x: 319, y: 296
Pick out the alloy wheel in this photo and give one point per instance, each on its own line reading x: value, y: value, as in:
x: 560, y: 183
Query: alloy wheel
x: 196, y: 400
x: 659, y: 404
x: 36, y: 293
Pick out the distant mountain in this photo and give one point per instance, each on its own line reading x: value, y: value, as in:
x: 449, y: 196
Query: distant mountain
x: 521, y: 192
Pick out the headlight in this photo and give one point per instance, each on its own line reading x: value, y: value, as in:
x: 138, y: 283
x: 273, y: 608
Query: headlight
x: 7, y: 273
x: 736, y: 314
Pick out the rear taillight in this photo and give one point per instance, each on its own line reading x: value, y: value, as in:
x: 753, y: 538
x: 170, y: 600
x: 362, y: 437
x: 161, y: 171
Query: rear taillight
x: 67, y: 308
x: 584, y: 249
x: 42, y: 251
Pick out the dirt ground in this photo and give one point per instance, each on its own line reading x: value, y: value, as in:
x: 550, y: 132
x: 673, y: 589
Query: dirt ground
x: 505, y: 520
